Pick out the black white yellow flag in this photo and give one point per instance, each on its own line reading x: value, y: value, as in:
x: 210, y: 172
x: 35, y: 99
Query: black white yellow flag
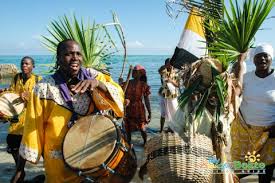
x: 192, y: 43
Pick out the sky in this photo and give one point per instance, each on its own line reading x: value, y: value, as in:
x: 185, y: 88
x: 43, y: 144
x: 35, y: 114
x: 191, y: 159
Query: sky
x: 147, y: 27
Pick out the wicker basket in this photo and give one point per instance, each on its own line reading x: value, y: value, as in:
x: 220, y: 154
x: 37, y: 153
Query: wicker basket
x: 173, y: 159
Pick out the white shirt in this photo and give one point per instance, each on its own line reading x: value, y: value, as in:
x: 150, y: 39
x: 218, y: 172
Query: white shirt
x: 258, y: 105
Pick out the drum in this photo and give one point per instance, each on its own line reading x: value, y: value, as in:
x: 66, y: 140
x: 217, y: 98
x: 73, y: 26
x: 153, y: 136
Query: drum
x: 95, y: 148
x: 11, y: 106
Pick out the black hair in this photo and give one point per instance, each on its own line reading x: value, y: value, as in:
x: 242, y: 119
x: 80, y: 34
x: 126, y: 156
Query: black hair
x: 167, y: 60
x: 61, y: 45
x: 30, y: 58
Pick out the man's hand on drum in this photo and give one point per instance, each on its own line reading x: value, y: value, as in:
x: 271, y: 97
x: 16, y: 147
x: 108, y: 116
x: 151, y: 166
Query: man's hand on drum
x: 85, y: 85
x: 25, y: 96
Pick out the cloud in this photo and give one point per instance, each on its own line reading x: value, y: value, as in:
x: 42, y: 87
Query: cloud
x: 135, y: 44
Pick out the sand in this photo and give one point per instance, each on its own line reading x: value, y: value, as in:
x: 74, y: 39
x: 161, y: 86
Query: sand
x: 7, y: 166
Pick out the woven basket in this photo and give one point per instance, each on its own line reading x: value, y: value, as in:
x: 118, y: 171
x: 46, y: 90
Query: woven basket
x: 173, y: 159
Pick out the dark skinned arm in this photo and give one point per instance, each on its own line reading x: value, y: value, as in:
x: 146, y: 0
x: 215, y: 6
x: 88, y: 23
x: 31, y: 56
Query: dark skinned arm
x: 148, y: 107
x: 90, y: 85
x: 239, y: 72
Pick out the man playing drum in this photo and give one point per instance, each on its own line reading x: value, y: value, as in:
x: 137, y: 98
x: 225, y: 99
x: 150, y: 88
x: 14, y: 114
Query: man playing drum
x: 22, y: 85
x: 57, y: 101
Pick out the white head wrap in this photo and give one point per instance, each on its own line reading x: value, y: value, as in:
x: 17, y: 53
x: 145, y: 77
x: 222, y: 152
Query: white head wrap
x: 264, y: 48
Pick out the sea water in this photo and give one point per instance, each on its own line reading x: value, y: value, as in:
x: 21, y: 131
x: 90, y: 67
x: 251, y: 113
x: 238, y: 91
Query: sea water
x: 44, y: 63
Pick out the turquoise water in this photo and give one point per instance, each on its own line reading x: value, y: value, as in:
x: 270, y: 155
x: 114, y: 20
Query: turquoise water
x: 150, y: 62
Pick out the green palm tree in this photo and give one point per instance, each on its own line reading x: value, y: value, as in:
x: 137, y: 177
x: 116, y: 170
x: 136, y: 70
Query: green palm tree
x: 96, y: 42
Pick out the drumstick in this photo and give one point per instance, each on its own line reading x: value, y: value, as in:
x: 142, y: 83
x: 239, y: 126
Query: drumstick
x: 128, y: 78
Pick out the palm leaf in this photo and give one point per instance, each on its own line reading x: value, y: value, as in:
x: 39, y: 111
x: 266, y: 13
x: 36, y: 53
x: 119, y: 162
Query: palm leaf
x: 95, y: 41
x: 235, y: 34
x: 188, y: 92
x: 202, y: 102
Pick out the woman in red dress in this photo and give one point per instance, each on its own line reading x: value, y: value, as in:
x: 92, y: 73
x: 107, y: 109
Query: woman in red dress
x: 137, y: 90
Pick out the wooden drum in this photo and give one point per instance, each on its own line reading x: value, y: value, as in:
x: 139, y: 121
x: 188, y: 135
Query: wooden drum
x: 96, y: 149
x: 11, y: 106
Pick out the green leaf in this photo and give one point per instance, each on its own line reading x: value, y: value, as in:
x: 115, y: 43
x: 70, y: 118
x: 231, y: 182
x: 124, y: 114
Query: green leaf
x: 188, y: 92
x: 235, y: 33
x: 95, y: 41
x: 201, y: 105
x: 220, y: 89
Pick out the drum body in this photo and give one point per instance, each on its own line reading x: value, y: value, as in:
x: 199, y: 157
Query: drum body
x: 11, y: 106
x: 95, y: 147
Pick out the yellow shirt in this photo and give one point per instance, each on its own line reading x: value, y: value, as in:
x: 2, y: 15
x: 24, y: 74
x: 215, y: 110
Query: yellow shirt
x: 18, y: 87
x: 47, y: 123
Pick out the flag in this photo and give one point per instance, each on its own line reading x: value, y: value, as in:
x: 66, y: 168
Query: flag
x: 192, y: 43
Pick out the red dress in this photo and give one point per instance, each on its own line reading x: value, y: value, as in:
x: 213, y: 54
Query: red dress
x: 135, y: 112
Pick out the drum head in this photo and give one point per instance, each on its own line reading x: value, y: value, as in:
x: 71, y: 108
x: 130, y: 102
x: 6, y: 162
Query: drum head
x: 90, y: 142
x: 11, y: 104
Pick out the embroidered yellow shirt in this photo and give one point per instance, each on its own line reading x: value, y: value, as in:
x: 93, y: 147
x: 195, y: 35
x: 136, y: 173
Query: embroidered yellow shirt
x: 18, y: 87
x: 47, y: 119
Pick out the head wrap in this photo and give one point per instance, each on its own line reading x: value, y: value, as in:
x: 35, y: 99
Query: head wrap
x: 264, y: 48
x: 139, y: 67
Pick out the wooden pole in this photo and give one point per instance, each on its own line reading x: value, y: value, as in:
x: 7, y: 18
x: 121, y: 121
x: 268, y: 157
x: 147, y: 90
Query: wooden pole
x: 128, y: 78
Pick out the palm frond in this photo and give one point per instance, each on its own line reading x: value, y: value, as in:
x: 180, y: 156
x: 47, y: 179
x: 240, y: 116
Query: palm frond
x: 95, y: 41
x: 213, y: 7
x: 235, y: 34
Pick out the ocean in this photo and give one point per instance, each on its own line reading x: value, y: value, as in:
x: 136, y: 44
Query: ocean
x: 150, y: 62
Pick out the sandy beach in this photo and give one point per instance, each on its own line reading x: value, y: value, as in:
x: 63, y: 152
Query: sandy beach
x: 7, y: 166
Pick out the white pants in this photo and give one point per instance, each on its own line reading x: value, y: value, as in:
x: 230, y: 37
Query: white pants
x: 168, y: 108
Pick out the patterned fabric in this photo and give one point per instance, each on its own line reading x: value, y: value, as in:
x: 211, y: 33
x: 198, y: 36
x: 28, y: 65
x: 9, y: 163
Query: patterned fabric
x: 30, y: 154
x: 47, y: 124
x: 50, y: 91
x: 248, y: 138
x: 135, y: 111
x: 165, y: 75
x: 104, y: 102
x: 19, y: 87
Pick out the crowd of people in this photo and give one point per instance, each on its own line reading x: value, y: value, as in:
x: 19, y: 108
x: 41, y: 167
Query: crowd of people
x: 58, y: 100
